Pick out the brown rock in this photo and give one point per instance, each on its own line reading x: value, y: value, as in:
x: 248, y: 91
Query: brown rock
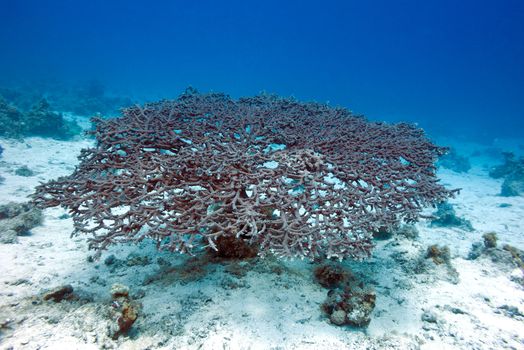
x: 59, y: 293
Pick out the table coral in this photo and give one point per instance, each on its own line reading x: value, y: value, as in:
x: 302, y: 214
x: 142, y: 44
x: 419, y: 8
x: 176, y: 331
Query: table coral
x: 292, y: 178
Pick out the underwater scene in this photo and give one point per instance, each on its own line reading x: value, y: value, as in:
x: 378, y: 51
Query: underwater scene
x: 261, y: 174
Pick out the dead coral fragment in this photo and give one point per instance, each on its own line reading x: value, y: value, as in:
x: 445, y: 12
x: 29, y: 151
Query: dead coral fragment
x: 331, y: 276
x: 445, y: 216
x: 516, y: 254
x: 490, y: 240
x: 439, y: 254
x: 508, y: 258
x: 351, y: 305
x: 434, y: 264
x: 233, y: 248
x: 126, y: 320
x: 119, y: 291
x: 193, y: 269
x: 124, y: 309
x: 408, y: 231
x: 135, y: 259
x: 348, y: 302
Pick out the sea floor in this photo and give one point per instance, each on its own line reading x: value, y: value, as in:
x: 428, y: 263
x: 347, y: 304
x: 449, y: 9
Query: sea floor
x: 196, y: 303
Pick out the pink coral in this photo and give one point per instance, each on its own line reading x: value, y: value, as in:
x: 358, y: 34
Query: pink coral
x: 294, y: 179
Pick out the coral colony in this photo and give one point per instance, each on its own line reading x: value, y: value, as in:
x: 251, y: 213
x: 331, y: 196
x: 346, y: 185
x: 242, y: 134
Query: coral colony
x: 292, y: 179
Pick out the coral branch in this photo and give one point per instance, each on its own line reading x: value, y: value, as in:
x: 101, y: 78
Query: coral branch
x: 295, y: 179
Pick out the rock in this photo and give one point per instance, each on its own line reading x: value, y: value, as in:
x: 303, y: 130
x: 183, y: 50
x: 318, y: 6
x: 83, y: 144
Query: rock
x: 59, y: 293
x: 512, y: 186
x: 109, y: 260
x: 8, y: 237
x: 338, y: 317
x: 405, y: 230
x: 516, y: 254
x: 408, y: 231
x: 126, y: 320
x: 439, y: 254
x: 139, y: 294
x: 98, y: 280
x: 331, y: 275
x: 476, y: 251
x: 232, y: 248
x: 455, y: 162
x: 428, y: 316
x: 163, y: 262
x: 119, y: 290
x: 17, y: 219
x: 511, y: 311
x: 6, y: 323
x: 382, y: 234
x: 490, y: 240
x: 361, y: 314
x: 511, y: 164
x: 445, y: 216
x: 513, y: 173
x: 517, y: 276
x: 457, y: 311
x: 123, y: 309
x: 20, y: 281
x: 353, y: 301
x: 24, y: 171
x: 507, y: 259
x: 134, y: 259
x: 433, y: 264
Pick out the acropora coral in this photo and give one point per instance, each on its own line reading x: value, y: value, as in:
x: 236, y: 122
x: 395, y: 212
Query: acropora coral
x: 291, y: 178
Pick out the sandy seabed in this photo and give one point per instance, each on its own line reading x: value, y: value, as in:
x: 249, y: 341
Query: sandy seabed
x: 191, y: 303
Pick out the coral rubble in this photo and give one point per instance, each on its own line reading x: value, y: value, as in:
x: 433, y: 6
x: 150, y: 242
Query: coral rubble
x: 439, y: 254
x: 350, y: 305
x: 490, y: 239
x: 124, y: 309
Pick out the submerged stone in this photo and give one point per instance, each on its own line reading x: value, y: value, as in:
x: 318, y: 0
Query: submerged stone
x: 59, y: 293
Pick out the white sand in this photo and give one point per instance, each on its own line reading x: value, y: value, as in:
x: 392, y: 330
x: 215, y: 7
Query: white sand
x: 262, y: 310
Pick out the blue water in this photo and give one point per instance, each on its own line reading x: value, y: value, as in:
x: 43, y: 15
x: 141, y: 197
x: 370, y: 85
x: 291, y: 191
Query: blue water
x: 454, y: 67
